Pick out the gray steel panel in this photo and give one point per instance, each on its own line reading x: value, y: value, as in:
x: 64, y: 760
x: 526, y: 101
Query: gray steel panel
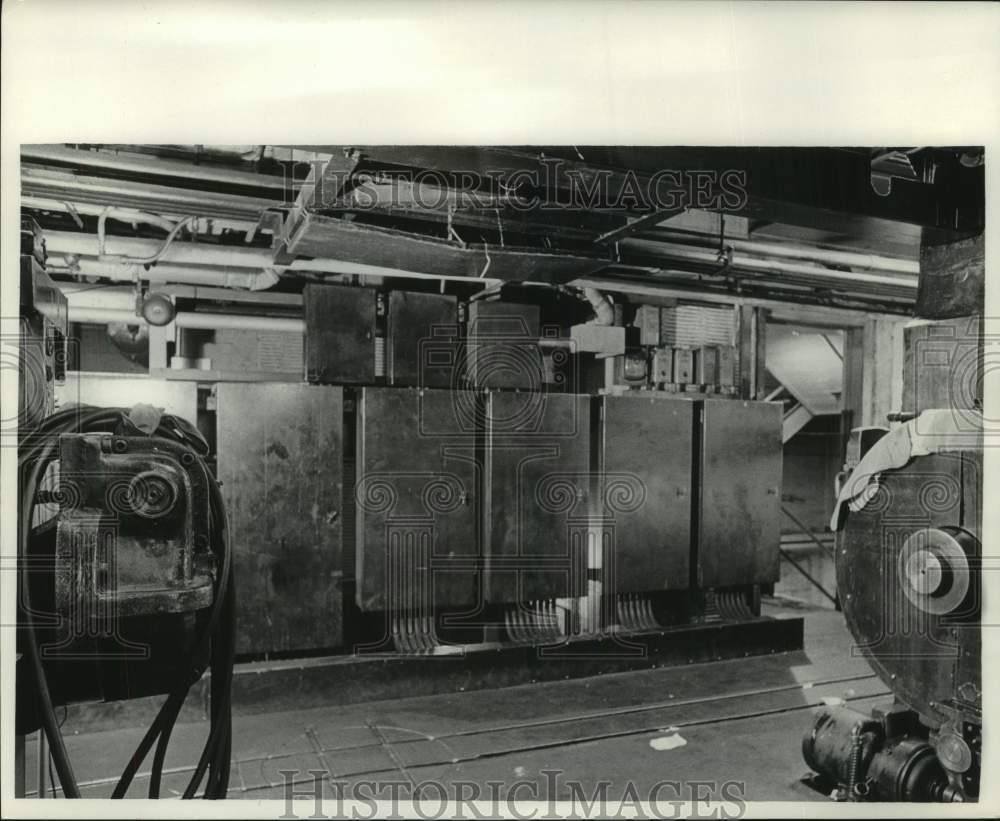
x: 647, y: 457
x: 537, y: 455
x: 740, y: 524
x: 280, y: 448
x: 340, y: 333
x: 422, y: 344
x: 417, y: 506
x: 502, y: 347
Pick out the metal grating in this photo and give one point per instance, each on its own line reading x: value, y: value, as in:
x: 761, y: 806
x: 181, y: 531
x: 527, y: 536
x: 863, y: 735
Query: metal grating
x: 235, y: 349
x: 691, y: 326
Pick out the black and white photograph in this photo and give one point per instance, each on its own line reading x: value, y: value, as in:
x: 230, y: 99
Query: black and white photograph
x: 438, y: 458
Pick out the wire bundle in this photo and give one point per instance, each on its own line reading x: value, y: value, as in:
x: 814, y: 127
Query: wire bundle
x: 216, y: 638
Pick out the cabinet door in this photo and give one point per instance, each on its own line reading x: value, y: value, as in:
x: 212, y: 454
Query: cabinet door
x: 537, y: 454
x: 423, y: 340
x: 417, y: 506
x: 340, y: 333
x: 740, y: 493
x: 280, y: 460
x: 646, y: 455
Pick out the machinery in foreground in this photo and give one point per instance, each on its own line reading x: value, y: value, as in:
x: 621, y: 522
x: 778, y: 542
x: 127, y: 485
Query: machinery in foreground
x: 909, y: 562
x: 125, y: 576
x: 909, y: 575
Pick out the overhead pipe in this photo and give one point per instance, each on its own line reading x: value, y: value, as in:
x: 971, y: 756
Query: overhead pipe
x: 206, y: 321
x: 853, y: 259
x: 206, y: 256
x: 706, y: 257
x: 129, y: 215
x: 151, y: 164
x: 194, y: 253
x: 220, y: 277
x: 65, y: 185
x: 190, y: 319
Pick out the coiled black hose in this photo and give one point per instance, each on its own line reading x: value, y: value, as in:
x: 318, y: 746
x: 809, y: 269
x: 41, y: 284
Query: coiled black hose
x: 217, y: 634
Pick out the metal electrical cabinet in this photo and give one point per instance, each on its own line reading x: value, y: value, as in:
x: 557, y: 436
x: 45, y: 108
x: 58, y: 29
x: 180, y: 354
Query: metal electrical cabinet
x: 422, y: 348
x: 537, y: 464
x: 501, y: 349
x: 340, y: 333
x: 644, y: 461
x: 739, y: 527
x: 280, y: 452
x: 417, y: 506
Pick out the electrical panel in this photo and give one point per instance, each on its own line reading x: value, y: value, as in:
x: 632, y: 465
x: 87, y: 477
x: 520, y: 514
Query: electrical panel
x: 502, y: 346
x: 416, y: 498
x: 422, y: 346
x: 340, y: 333
x: 280, y: 461
x: 739, y: 476
x: 644, y: 464
x: 539, y: 494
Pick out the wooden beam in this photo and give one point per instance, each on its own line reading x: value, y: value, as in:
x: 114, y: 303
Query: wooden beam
x: 751, y: 344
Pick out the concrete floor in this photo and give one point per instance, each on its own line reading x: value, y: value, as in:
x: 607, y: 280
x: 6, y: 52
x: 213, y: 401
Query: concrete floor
x: 740, y: 721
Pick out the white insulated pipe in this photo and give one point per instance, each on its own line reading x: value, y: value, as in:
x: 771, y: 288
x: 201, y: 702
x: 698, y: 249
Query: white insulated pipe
x: 190, y: 319
x: 854, y: 259
x: 252, y: 261
x: 129, y: 215
x: 707, y: 257
x: 604, y: 311
x: 211, y: 322
x: 804, y: 253
x: 193, y: 253
x: 221, y: 277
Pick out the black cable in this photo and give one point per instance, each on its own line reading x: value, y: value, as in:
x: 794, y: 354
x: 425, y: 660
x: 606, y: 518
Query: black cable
x: 178, y: 694
x: 47, y: 712
x: 35, y: 456
x: 168, y: 711
x: 172, y: 710
x: 220, y: 716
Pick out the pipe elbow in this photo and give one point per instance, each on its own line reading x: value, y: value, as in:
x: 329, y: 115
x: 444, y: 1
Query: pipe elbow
x: 604, y: 311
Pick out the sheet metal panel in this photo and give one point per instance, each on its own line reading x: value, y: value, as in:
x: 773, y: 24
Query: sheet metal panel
x: 423, y: 344
x: 537, y: 456
x: 943, y: 364
x: 417, y: 506
x: 340, y: 333
x: 646, y: 463
x: 740, y: 483
x: 502, y: 348
x: 125, y: 390
x: 280, y: 448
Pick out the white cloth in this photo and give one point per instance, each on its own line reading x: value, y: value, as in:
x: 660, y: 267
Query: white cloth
x: 933, y: 431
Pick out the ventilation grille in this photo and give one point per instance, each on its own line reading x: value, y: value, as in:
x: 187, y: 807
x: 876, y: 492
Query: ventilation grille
x: 691, y: 326
x: 271, y: 351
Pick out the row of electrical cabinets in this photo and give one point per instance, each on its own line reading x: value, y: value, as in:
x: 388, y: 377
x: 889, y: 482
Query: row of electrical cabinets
x: 362, y: 336
x: 459, y: 499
